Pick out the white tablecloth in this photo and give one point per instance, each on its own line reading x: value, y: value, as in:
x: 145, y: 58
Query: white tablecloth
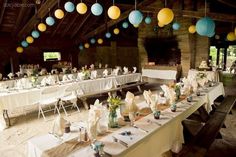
x: 211, y: 75
x: 160, y: 74
x: 161, y: 137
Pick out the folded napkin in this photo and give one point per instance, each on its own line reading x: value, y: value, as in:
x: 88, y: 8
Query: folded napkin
x: 92, y: 66
x: 93, y: 74
x: 169, y: 93
x: 116, y: 71
x: 65, y: 78
x: 51, y: 80
x: 10, y: 75
x: 71, y: 77
x: 44, y: 81
x: 43, y: 71
x: 105, y: 73
x: 29, y: 72
x: 80, y: 76
x: 132, y: 107
x: 126, y: 71
x: 134, y: 69
x: 74, y: 70
x: 147, y: 96
x: 53, y: 71
x: 58, y: 126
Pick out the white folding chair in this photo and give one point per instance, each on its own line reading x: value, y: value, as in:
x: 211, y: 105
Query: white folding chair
x: 69, y: 97
x: 48, y: 97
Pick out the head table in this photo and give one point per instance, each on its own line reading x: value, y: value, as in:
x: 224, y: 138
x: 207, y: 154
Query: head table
x: 152, y: 138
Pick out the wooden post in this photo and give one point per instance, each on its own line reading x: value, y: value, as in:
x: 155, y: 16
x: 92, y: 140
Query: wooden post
x: 218, y: 56
x: 225, y: 57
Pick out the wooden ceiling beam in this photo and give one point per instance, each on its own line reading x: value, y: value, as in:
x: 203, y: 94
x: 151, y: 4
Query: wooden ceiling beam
x: 42, y: 12
x: 2, y: 10
x: 77, y: 29
x: 68, y: 27
x: 123, y: 16
x: 230, y: 3
x: 59, y: 25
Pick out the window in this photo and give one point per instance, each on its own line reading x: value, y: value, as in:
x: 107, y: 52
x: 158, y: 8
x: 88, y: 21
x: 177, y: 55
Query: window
x: 51, y: 56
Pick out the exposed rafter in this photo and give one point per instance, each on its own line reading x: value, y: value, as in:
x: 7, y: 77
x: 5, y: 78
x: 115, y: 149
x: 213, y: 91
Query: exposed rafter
x: 42, y: 12
x: 2, y: 10
x: 59, y: 25
x: 68, y: 27
x: 123, y: 16
x: 76, y: 30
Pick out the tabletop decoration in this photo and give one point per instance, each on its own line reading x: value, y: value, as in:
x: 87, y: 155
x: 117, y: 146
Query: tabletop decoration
x: 173, y: 107
x: 177, y: 91
x: 114, y: 103
x: 58, y: 127
x: 98, y: 146
x: 157, y: 114
x: 201, y: 78
x: 190, y: 98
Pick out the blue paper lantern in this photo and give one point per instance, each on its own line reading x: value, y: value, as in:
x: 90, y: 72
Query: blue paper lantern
x: 108, y: 35
x: 24, y: 43
x: 69, y: 7
x: 35, y: 34
x: 205, y: 26
x: 81, y: 47
x: 50, y: 21
x: 92, y: 41
x: 96, y: 9
x: 211, y: 34
x: 148, y: 20
x: 176, y: 26
x: 135, y: 17
x: 125, y: 25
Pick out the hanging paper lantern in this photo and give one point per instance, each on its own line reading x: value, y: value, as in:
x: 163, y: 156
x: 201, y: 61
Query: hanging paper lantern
x: 108, y: 35
x: 114, y: 12
x: 81, y: 8
x: 59, y: 14
x: 165, y: 16
x: 235, y: 30
x: 160, y: 24
x: 148, y: 20
x: 81, y: 47
x: 42, y: 27
x: 92, y: 41
x: 231, y: 36
x: 96, y: 9
x: 125, y: 25
x: 136, y: 26
x: 176, y: 26
x: 135, y: 17
x: 35, y: 34
x: 24, y: 44
x: 100, y: 41
x: 205, y: 26
x: 30, y: 39
x: 19, y: 49
x: 116, y: 31
x: 50, y: 21
x: 86, y: 45
x: 69, y: 7
x: 192, y: 29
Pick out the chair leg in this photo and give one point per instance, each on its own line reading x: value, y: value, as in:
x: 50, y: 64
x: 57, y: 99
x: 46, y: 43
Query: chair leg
x: 74, y: 104
x: 63, y: 107
x: 41, y: 112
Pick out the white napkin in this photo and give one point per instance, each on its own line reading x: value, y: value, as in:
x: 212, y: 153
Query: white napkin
x: 80, y: 76
x: 29, y: 72
x: 71, y: 77
x: 147, y: 96
x: 105, y: 73
x: 126, y: 71
x: 65, y: 78
x: 51, y: 80
x: 116, y: 71
x: 43, y: 71
x: 74, y: 70
x: 92, y: 66
x: 169, y: 93
x: 134, y: 69
x: 58, y: 126
x: 130, y: 102
x: 93, y: 74
x: 10, y: 75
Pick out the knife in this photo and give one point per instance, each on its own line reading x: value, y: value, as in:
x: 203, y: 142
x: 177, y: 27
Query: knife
x: 120, y: 141
x: 146, y: 131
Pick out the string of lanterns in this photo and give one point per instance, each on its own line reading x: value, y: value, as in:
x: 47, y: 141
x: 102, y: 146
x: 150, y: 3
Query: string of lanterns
x: 204, y: 26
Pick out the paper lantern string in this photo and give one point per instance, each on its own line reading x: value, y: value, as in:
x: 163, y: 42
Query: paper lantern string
x: 113, y: 2
x: 135, y: 4
x: 205, y: 7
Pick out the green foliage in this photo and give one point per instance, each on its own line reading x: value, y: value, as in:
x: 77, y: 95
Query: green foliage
x: 114, y: 102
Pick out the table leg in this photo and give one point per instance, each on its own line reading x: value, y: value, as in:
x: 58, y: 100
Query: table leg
x: 6, y: 117
x: 203, y: 113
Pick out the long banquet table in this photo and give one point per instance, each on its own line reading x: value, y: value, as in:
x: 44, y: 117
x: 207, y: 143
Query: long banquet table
x: 211, y: 75
x: 163, y: 134
x: 11, y: 100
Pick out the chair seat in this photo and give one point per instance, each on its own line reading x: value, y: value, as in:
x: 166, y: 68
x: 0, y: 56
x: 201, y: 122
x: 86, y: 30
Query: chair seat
x: 48, y: 101
x: 69, y: 97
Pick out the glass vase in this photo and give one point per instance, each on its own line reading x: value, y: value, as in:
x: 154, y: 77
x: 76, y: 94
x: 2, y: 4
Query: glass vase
x: 113, y: 121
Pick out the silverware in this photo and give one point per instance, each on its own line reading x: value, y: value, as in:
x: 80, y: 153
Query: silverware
x: 141, y: 129
x: 150, y: 121
x: 120, y: 141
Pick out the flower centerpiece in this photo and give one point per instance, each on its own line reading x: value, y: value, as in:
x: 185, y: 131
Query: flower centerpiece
x: 86, y: 73
x: 114, y: 103
x: 177, y: 90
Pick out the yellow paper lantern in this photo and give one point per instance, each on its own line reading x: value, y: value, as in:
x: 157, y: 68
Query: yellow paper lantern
x: 19, y: 49
x: 160, y: 24
x: 86, y: 45
x: 165, y: 16
x: 116, y: 31
x: 231, y: 36
x: 192, y: 29
x: 114, y: 12
x: 81, y: 8
x: 59, y: 14
x: 100, y: 41
x: 30, y: 39
x: 42, y: 27
x: 235, y: 30
x: 136, y: 26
